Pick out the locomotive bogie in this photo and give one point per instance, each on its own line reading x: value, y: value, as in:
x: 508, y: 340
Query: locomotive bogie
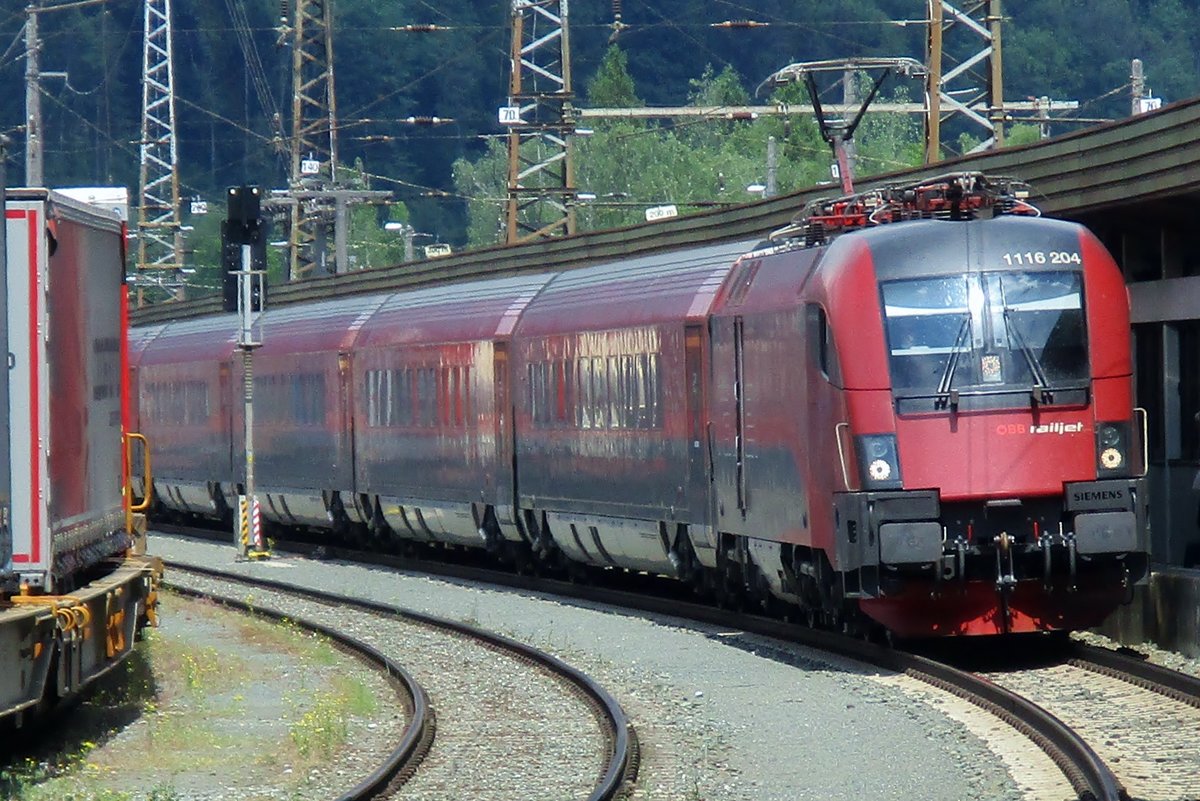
x: 777, y: 573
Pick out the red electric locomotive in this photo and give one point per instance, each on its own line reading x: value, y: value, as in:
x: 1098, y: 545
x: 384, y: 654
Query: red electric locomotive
x: 932, y: 418
x: 912, y: 406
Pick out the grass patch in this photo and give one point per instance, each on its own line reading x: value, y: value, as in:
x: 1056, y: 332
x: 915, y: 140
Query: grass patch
x: 287, y: 636
x: 199, y: 690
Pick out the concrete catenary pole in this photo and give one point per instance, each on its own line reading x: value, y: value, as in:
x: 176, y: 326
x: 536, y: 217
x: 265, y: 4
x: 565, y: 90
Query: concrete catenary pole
x: 1137, y: 86
x: 33, y: 100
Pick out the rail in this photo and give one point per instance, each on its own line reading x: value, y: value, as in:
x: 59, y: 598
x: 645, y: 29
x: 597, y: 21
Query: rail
x: 624, y: 754
x: 418, y: 735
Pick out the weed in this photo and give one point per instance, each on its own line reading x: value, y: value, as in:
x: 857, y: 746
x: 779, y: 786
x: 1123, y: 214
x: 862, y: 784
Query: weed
x: 164, y: 793
x: 356, y: 697
x: 321, y: 729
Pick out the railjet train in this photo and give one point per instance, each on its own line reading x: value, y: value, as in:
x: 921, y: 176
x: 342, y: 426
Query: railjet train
x: 911, y: 408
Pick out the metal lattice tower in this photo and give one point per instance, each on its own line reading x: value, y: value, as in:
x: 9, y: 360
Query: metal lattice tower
x: 160, y: 239
x: 314, y: 135
x: 976, y: 78
x: 541, y: 178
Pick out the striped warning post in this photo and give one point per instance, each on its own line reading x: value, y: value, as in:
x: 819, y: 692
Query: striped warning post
x: 243, y: 523
x: 256, y: 524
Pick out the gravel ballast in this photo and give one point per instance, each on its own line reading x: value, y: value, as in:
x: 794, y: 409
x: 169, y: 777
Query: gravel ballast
x: 719, y: 714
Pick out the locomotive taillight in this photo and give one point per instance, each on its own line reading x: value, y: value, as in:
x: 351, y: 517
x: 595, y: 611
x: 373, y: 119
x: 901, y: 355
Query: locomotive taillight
x: 1112, y: 449
x: 878, y: 461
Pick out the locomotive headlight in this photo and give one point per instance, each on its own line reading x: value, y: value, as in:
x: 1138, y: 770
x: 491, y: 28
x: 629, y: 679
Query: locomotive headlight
x: 879, y: 462
x: 880, y: 470
x: 1112, y: 449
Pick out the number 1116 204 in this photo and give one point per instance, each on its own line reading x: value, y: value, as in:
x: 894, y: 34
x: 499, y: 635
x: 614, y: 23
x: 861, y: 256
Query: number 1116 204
x: 1039, y: 257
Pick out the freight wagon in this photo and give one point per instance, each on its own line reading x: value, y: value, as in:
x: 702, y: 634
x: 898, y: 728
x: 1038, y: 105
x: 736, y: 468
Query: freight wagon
x: 72, y: 593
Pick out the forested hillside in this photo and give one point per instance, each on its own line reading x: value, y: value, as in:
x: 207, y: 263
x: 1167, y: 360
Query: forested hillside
x: 1065, y: 49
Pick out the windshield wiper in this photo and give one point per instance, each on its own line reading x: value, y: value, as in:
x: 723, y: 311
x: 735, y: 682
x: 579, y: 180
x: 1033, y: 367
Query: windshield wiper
x: 946, y: 396
x: 1031, y: 359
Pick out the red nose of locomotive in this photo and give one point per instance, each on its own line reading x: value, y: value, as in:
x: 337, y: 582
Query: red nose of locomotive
x: 1007, y: 480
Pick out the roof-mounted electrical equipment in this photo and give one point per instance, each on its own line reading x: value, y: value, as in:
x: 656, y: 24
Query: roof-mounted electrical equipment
x: 954, y: 196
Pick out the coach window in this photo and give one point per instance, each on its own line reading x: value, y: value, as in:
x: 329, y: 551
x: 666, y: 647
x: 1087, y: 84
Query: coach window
x: 641, y: 399
x: 628, y: 395
x: 539, y: 393
x: 468, y: 397
x: 599, y: 393
x: 426, y: 397
x: 374, y: 415
x: 308, y: 399
x: 615, y: 417
x: 558, y: 389
x: 372, y: 394
x: 401, y: 413
x: 581, y: 380
x: 653, y: 390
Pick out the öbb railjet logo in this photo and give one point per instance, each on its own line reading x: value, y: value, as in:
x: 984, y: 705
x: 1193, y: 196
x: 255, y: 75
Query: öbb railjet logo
x: 1018, y: 429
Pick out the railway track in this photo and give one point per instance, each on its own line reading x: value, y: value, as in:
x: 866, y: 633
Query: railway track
x: 1142, y: 719
x: 418, y: 733
x: 512, y: 719
x: 1079, y: 742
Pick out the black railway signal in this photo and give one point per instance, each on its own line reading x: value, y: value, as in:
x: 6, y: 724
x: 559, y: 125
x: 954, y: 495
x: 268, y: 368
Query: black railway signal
x: 243, y: 225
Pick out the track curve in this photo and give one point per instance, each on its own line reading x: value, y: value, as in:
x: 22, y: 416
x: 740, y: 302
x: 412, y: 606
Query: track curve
x: 418, y: 734
x: 621, y: 765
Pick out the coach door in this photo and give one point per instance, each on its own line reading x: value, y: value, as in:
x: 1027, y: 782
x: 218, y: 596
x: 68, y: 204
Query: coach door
x: 739, y: 397
x: 698, y: 467
x: 502, y: 414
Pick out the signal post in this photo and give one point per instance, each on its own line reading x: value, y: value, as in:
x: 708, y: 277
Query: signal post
x: 243, y: 249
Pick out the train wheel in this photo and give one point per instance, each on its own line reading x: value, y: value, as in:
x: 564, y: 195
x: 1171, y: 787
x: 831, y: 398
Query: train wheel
x: 730, y: 587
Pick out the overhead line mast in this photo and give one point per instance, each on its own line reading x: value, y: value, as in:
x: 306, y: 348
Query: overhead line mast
x: 314, y: 133
x: 981, y: 21
x: 160, y: 237
x: 540, y: 119
x: 317, y: 203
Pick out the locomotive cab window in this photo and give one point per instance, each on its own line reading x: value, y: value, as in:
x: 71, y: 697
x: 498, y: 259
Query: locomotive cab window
x: 991, y: 337
x: 821, y: 348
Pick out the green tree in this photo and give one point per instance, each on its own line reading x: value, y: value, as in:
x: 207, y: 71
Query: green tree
x: 612, y: 85
x: 482, y: 183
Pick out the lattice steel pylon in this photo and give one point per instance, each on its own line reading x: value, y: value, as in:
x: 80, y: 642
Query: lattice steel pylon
x: 953, y: 92
x: 314, y: 135
x: 541, y: 179
x: 160, y: 238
